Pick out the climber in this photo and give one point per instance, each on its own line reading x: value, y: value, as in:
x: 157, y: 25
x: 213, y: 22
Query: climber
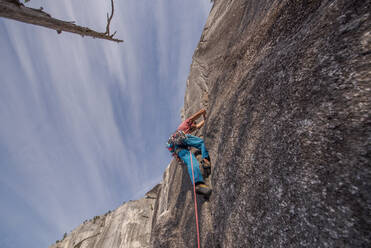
x: 179, y: 145
x: 190, y: 125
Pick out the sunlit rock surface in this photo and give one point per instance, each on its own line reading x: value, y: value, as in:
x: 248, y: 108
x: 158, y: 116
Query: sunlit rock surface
x: 127, y: 226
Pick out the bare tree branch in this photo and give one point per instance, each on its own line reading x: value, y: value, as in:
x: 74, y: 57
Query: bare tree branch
x: 109, y: 18
x: 15, y: 10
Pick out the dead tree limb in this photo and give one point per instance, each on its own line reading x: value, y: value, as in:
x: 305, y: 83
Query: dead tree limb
x: 109, y: 18
x: 12, y: 9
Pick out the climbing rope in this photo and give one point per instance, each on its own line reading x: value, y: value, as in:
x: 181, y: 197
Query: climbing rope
x: 194, y: 192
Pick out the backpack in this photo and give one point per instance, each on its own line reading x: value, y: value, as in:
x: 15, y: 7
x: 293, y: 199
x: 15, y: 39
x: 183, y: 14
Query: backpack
x: 177, y: 139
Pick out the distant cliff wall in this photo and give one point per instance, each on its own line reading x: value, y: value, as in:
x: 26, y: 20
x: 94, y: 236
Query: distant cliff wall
x: 287, y: 88
x: 127, y: 226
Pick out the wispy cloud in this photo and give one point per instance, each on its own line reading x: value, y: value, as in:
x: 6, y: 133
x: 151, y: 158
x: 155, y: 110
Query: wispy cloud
x: 84, y: 121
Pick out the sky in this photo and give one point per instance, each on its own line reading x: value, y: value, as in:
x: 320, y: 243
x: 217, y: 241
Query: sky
x: 84, y: 122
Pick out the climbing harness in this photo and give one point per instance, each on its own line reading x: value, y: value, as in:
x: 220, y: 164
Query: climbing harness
x: 177, y: 139
x: 194, y: 192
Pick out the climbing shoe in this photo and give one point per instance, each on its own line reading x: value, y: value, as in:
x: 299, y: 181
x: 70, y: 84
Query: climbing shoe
x: 203, y: 189
x: 206, y: 167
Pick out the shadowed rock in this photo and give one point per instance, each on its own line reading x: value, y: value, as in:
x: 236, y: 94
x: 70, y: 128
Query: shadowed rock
x: 286, y: 85
x: 287, y: 88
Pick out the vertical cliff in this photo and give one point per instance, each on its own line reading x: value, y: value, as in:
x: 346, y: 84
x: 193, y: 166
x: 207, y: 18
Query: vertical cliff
x: 286, y: 85
x: 287, y: 88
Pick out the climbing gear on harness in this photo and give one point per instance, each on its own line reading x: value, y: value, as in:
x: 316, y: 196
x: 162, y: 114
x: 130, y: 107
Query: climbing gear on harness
x: 195, y: 200
x: 177, y: 139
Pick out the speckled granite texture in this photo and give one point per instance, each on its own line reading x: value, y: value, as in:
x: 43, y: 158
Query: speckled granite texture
x: 287, y: 88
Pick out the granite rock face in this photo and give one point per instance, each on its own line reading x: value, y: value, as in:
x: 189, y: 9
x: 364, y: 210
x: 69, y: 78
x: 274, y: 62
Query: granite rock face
x: 286, y: 85
x: 127, y: 226
x: 287, y: 88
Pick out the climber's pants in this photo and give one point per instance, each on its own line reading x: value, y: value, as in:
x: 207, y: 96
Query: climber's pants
x: 198, y: 143
x: 185, y: 156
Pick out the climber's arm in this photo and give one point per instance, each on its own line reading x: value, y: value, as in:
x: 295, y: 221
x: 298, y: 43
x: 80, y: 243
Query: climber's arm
x: 199, y: 125
x: 198, y: 114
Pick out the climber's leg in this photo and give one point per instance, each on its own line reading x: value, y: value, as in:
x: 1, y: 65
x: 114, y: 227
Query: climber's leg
x: 198, y: 143
x: 185, y: 156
